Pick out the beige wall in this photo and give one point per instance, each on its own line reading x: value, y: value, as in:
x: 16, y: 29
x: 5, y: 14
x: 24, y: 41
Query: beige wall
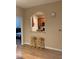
x: 52, y: 35
x: 19, y: 11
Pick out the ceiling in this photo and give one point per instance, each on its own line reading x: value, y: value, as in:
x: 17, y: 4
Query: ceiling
x: 31, y: 3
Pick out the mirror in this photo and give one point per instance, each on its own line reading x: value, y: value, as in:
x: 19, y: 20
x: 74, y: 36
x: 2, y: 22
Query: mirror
x: 38, y: 22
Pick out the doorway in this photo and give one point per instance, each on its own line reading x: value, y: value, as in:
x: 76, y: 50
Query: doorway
x: 19, y: 30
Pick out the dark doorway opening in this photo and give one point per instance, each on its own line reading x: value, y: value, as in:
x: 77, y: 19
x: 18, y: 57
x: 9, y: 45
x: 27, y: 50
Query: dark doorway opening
x: 18, y: 30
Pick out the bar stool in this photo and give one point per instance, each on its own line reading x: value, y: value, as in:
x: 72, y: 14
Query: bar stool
x: 40, y: 42
x: 33, y: 41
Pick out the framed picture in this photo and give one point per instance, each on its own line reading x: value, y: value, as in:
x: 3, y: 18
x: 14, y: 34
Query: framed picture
x: 38, y: 23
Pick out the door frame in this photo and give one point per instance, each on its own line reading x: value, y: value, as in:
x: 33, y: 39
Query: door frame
x: 22, y: 31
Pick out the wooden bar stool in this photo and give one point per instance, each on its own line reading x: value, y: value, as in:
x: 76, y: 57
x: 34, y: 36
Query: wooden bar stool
x: 40, y: 42
x: 33, y: 41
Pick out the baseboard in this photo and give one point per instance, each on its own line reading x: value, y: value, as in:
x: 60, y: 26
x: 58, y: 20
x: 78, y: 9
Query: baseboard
x: 48, y: 48
x: 27, y: 43
x: 53, y: 49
